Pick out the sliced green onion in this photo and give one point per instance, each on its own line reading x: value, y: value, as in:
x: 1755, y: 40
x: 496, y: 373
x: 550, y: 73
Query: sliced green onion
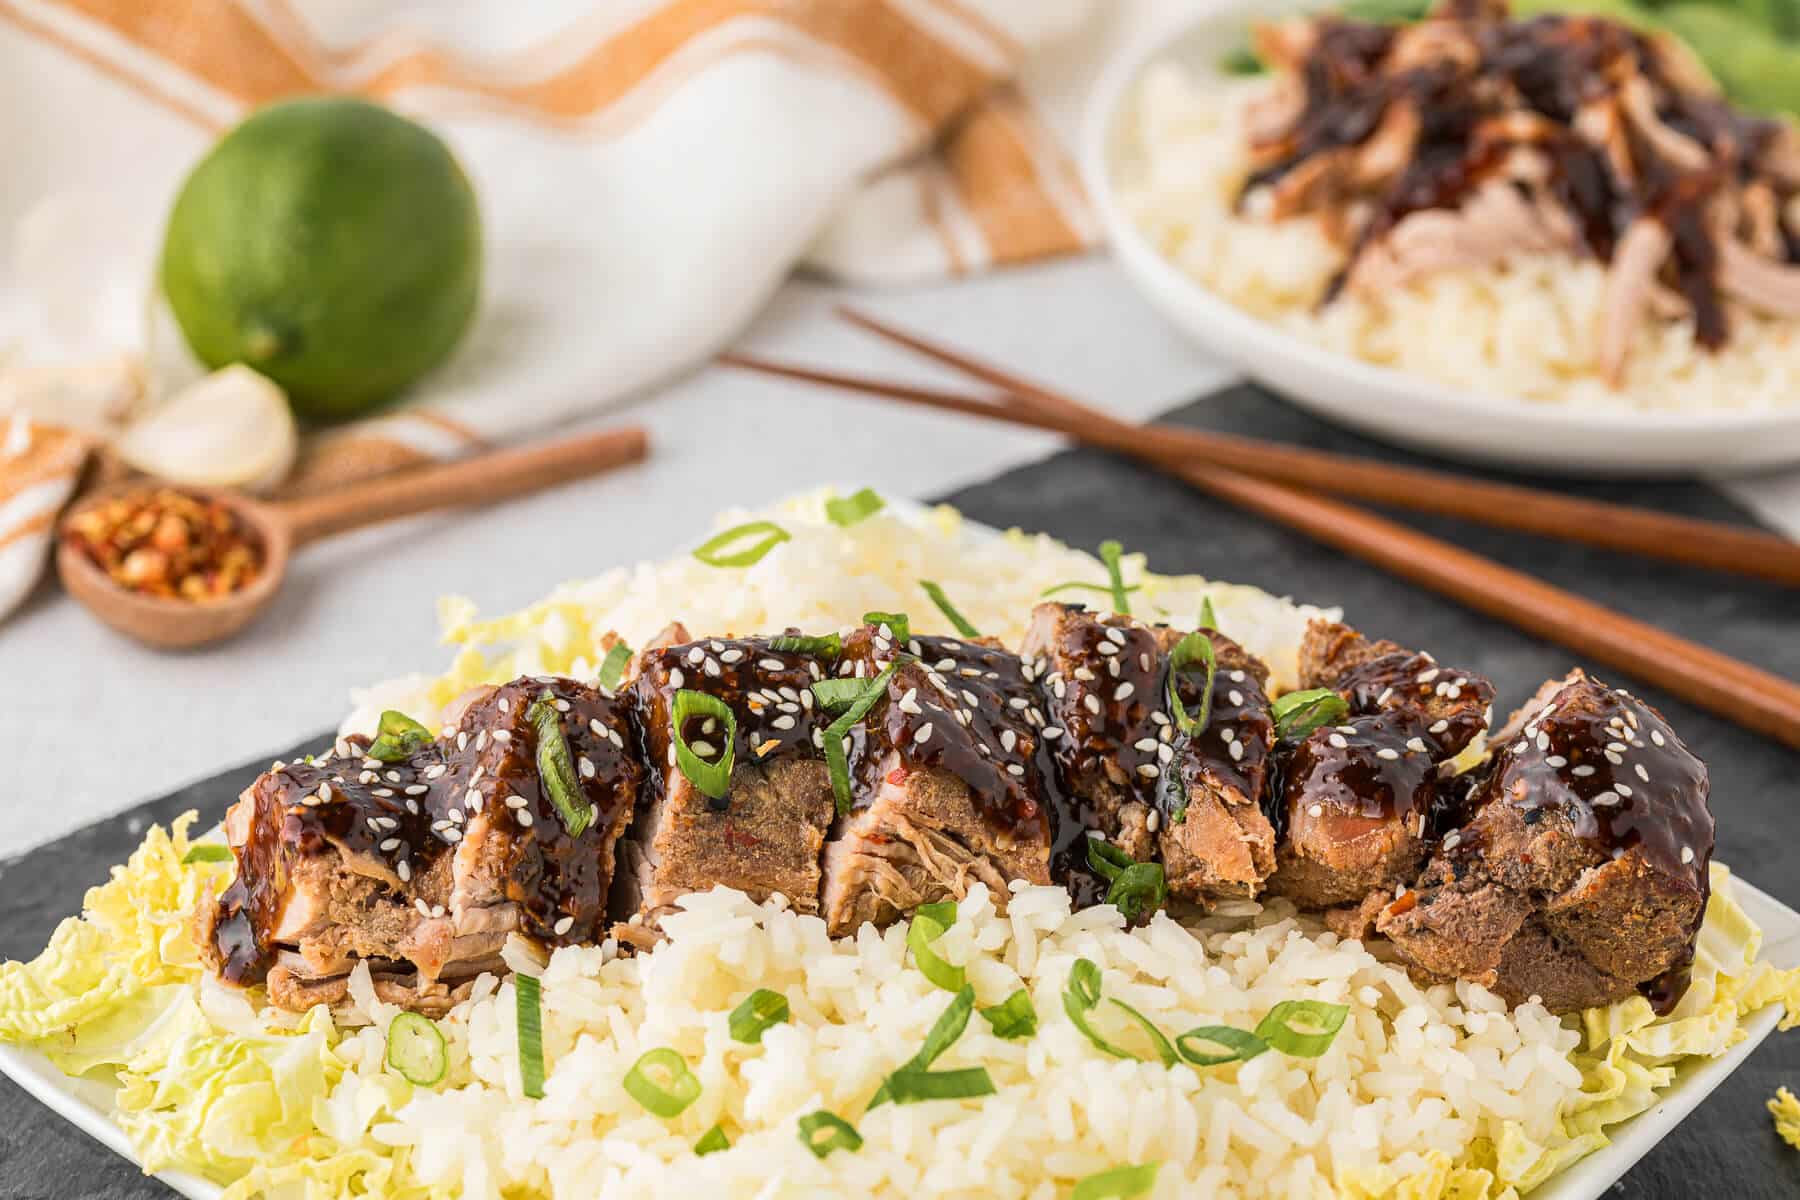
x: 556, y: 766
x: 206, y: 852
x: 1208, y: 618
x: 1165, y: 1049
x: 835, y: 759
x: 1140, y: 888
x: 711, y: 1142
x: 908, y: 1086
x: 1319, y: 1024
x: 858, y: 506
x: 956, y: 619
x: 529, y: 1008
x: 1172, y: 793
x: 944, y: 1031
x: 1108, y: 861
x: 1120, y: 1183
x: 1241, y: 60
x: 941, y: 911
x: 713, y: 779
x: 713, y: 550
x: 831, y: 645
x: 897, y: 624
x: 1110, y: 551
x: 681, y: 1087
x: 415, y: 1048
x: 1297, y: 714
x: 1080, y: 997
x: 398, y: 738
x: 1013, y: 1018
x: 838, y: 693
x: 760, y: 1011
x: 1195, y: 647
x: 1076, y: 585
x: 838, y: 1133
x: 1240, y: 1045
x: 612, y: 669
x: 926, y: 929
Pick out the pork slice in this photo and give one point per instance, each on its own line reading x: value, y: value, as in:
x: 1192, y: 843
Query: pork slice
x: 1592, y: 833
x: 950, y: 784
x: 763, y: 835
x: 1381, y: 676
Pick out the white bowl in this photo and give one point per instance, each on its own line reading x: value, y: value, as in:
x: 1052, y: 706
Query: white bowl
x: 1375, y: 400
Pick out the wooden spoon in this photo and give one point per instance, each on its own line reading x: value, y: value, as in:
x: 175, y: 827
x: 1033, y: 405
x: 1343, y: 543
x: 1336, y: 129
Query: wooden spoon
x: 287, y: 526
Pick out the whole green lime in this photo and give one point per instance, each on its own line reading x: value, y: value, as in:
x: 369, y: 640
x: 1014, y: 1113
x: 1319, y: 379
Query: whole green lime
x: 332, y: 245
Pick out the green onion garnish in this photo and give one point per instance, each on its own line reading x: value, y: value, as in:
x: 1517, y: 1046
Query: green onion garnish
x: 897, y: 624
x: 1208, y: 618
x: 613, y: 668
x: 398, y: 738
x: 831, y: 645
x: 858, y: 506
x: 1297, y: 714
x: 838, y: 693
x: 761, y: 1010
x: 529, y: 1008
x: 1109, y: 554
x: 1135, y: 887
x: 956, y: 619
x: 1319, y: 1024
x: 926, y: 928
x: 1012, y: 1018
x: 713, y: 779
x: 556, y: 766
x: 1240, y: 1045
x: 678, y: 1087
x: 206, y: 852
x: 944, y: 1031
x: 711, y: 1142
x: 1195, y: 647
x: 838, y: 1133
x: 415, y: 1048
x: 1080, y: 997
x: 1076, y: 585
x: 1165, y: 1049
x: 1241, y: 60
x: 1140, y: 888
x: 1120, y: 1183
x: 835, y: 759
x: 907, y: 1086
x: 713, y: 552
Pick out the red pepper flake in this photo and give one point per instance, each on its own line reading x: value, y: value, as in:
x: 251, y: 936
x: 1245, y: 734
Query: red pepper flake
x: 898, y: 776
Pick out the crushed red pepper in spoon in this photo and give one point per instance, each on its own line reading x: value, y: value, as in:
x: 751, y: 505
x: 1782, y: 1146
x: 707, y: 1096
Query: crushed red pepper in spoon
x: 161, y: 541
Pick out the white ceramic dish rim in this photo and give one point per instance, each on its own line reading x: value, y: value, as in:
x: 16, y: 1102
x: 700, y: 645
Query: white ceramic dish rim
x: 87, y: 1104
x: 1097, y: 137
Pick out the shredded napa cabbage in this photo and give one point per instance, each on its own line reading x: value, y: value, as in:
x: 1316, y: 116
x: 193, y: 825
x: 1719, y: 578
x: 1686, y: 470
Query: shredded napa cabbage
x: 1785, y: 1108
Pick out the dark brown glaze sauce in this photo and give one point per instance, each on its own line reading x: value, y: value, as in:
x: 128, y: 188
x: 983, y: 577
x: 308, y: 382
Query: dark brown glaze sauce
x: 1416, y: 683
x: 1554, y: 65
x: 1232, y: 751
x: 1379, y: 766
x: 962, y: 706
x: 401, y: 817
x: 769, y: 692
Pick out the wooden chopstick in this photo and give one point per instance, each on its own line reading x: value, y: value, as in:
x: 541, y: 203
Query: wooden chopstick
x: 1687, y: 540
x: 1754, y: 698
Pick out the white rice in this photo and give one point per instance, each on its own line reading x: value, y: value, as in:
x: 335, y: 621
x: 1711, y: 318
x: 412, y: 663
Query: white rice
x: 1525, y: 328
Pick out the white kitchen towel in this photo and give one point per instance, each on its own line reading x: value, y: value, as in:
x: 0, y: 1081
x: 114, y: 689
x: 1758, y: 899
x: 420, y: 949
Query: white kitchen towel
x: 649, y: 170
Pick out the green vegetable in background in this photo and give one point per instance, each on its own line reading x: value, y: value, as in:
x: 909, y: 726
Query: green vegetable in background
x: 332, y: 245
x: 1755, y: 69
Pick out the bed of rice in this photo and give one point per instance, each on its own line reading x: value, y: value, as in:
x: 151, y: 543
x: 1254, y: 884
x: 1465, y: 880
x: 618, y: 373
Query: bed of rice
x: 1425, y: 1093
x: 1523, y: 329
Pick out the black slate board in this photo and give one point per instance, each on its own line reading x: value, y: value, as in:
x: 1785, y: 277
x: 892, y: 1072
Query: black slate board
x: 1727, y: 1145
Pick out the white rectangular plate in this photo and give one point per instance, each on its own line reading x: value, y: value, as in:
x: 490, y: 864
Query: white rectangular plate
x: 88, y: 1105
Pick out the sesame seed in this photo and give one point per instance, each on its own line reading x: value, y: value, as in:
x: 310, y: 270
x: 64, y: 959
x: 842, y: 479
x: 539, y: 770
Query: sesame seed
x: 1337, y: 739
x: 1052, y: 732
x: 1164, y: 753
x: 732, y: 655
x: 712, y: 667
x: 1092, y: 703
x: 676, y: 678
x: 1624, y: 789
x: 1059, y: 687
x: 384, y: 793
x: 1581, y: 772
x: 424, y: 908
x: 1159, y: 717
x: 782, y: 722
x: 1416, y: 745
x: 586, y: 766
x: 563, y: 926
x: 1115, y: 635
x: 1235, y: 696
x: 1014, y: 769
x: 704, y: 749
x: 524, y: 817
x: 1153, y: 822
x: 1112, y: 667
x: 1641, y: 772
x: 451, y: 835
x: 1347, y: 729
x: 1237, y: 752
x: 1452, y: 840
x: 770, y: 664
x: 1124, y: 690
x: 1149, y: 770
x: 1605, y: 799
x: 1556, y: 760
x: 970, y: 697
x: 1145, y: 744
x: 1144, y: 665
x: 1439, y: 727
x: 1386, y: 694
x: 412, y: 806
x: 1017, y: 703
x: 946, y: 664
x: 1617, y: 760
x: 1616, y: 747
x: 462, y: 741
x: 1083, y: 674
x: 437, y: 911
x: 561, y: 706
x: 1388, y: 753
x: 1237, y: 677
x: 404, y: 870
x: 389, y: 845
x: 694, y: 656
x: 1008, y: 739
x: 1228, y: 734
x: 367, y: 777
x: 1428, y: 676
x: 1317, y: 810
x: 501, y: 736
x: 1106, y: 648
x: 1657, y: 737
x: 1687, y: 854
x: 923, y: 735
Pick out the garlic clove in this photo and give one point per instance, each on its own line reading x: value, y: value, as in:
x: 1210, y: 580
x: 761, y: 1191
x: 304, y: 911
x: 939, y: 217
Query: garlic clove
x: 231, y: 429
